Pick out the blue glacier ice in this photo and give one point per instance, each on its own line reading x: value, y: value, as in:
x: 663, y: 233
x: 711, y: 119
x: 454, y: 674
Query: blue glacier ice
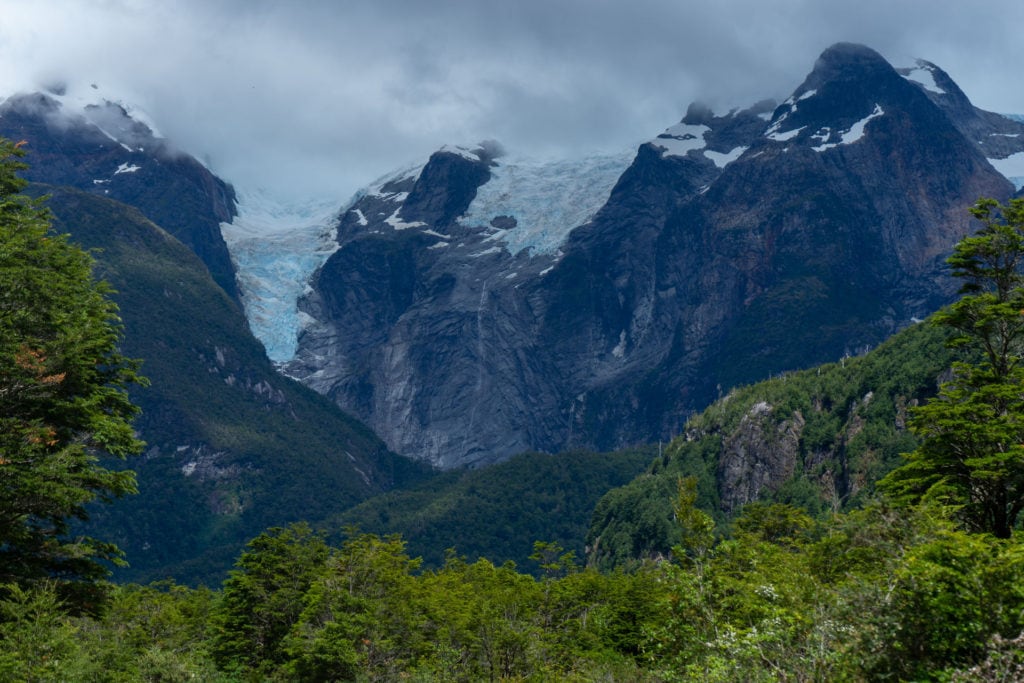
x: 276, y: 247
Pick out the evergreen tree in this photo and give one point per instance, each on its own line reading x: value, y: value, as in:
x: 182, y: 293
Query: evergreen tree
x: 971, y: 454
x: 63, y: 399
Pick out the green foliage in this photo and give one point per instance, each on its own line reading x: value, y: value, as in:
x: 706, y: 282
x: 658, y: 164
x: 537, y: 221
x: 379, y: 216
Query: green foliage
x: 696, y: 527
x: 498, y: 512
x: 148, y: 634
x: 846, y: 423
x: 880, y: 593
x: 63, y: 399
x: 296, y: 610
x: 971, y: 454
x: 263, y: 596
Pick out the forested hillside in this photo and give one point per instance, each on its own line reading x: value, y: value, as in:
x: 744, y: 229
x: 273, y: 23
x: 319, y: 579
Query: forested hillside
x: 818, y: 439
x: 498, y: 512
x: 909, y: 584
x: 232, y: 446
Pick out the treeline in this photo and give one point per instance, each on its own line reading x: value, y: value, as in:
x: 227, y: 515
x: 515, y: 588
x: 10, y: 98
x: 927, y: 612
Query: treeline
x: 884, y: 592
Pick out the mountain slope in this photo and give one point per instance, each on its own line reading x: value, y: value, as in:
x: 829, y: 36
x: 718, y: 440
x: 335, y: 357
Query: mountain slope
x: 733, y: 247
x: 233, y: 446
x: 817, y: 438
x: 827, y: 235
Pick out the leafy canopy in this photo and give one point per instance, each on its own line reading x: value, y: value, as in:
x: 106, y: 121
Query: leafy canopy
x: 971, y: 455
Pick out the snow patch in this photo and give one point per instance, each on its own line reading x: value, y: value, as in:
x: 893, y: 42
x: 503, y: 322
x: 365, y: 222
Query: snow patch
x: 398, y: 224
x: 376, y: 188
x: 462, y: 152
x: 620, y: 349
x: 127, y: 168
x: 276, y: 248
x: 1012, y: 168
x: 360, y: 218
x: 681, y: 139
x: 923, y: 75
x: 721, y: 159
x: 854, y: 133
x: 782, y: 137
x: 546, y: 198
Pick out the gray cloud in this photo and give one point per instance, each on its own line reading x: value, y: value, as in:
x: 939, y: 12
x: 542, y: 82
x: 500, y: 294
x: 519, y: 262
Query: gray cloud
x: 321, y: 97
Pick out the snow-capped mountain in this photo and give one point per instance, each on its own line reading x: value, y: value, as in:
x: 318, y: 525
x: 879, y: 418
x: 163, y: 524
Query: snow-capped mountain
x: 477, y: 307
x: 999, y: 136
x: 83, y: 140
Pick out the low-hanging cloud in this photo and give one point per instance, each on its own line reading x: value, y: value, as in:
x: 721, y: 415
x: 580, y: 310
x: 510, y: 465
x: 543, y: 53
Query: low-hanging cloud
x: 322, y: 97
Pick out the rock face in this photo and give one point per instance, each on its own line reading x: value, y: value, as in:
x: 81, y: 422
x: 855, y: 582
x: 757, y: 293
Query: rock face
x: 732, y: 247
x: 101, y: 149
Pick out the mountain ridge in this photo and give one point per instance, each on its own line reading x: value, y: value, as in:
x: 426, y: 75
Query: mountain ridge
x: 835, y: 210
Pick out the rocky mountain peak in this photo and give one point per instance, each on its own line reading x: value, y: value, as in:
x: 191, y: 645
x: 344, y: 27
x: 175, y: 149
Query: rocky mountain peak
x: 446, y: 186
x: 1000, y: 137
x: 698, y: 113
x: 102, y: 147
x: 846, y: 62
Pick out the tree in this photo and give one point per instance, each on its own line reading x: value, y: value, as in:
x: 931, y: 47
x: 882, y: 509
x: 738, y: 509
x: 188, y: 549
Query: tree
x: 971, y: 454
x: 263, y: 596
x: 63, y: 399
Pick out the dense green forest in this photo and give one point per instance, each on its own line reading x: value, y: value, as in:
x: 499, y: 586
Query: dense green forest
x: 876, y: 536
x: 884, y: 592
x: 499, y: 511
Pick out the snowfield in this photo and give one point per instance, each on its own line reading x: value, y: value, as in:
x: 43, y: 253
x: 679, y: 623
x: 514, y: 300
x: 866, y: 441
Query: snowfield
x: 547, y: 198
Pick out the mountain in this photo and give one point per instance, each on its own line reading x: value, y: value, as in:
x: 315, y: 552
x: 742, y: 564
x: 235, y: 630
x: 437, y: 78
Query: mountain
x: 233, y: 447
x: 101, y: 147
x: 466, y: 318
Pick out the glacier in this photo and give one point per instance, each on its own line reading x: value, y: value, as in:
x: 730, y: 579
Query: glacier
x: 276, y: 247
x: 548, y: 198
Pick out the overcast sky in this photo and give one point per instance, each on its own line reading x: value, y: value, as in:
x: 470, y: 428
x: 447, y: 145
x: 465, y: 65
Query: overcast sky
x: 316, y: 98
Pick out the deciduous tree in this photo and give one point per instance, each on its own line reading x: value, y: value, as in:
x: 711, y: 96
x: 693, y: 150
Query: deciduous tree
x: 971, y: 454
